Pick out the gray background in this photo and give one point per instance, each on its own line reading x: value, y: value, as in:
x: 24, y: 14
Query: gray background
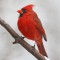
x: 49, y: 13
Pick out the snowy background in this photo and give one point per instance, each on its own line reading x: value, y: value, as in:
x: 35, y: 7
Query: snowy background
x: 49, y: 13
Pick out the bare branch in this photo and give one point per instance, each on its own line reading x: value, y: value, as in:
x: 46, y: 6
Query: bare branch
x: 20, y: 40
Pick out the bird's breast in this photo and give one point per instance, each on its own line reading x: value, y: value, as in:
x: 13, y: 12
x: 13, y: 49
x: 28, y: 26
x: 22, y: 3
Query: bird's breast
x: 27, y: 27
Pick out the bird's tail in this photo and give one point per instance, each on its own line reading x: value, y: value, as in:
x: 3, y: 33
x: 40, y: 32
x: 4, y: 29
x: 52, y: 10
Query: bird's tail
x: 41, y: 49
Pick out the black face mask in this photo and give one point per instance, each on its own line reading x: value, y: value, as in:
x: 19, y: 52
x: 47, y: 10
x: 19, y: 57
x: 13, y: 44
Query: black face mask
x: 24, y: 11
x: 21, y: 14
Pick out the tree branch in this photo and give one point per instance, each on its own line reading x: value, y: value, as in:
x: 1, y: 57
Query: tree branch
x: 20, y: 40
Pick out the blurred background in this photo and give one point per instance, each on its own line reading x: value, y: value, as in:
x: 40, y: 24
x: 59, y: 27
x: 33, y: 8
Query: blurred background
x: 49, y: 13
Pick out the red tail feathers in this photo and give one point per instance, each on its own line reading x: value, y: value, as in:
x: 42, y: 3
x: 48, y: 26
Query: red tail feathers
x: 41, y: 49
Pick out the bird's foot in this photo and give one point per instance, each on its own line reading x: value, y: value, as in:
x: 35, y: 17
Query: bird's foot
x: 33, y: 46
x: 22, y: 37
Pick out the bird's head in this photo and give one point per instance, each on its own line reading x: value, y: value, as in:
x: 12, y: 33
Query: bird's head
x: 25, y: 9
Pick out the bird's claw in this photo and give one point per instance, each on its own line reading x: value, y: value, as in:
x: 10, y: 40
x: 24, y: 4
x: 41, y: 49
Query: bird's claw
x: 22, y: 37
x: 33, y: 46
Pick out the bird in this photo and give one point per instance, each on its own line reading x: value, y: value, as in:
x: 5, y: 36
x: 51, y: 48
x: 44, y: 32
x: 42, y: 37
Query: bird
x: 31, y: 27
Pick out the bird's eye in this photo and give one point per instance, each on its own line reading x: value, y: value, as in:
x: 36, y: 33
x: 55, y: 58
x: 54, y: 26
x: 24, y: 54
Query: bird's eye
x: 24, y: 11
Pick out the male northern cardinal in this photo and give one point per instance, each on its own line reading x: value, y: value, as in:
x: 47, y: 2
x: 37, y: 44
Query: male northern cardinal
x: 31, y: 27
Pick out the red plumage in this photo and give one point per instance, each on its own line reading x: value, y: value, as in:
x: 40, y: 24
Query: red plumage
x: 31, y: 27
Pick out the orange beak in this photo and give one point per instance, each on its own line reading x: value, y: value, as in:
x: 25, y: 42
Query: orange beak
x: 20, y: 11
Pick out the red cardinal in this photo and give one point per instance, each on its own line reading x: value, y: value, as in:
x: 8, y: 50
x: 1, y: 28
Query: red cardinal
x: 31, y: 27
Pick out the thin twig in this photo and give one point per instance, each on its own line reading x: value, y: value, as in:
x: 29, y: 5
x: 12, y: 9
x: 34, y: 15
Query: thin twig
x: 21, y: 41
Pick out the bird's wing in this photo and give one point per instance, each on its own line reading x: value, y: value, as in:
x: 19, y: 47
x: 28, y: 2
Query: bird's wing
x: 39, y: 26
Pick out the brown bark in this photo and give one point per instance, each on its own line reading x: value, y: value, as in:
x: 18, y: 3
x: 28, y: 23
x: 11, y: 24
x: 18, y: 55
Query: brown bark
x: 20, y: 40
